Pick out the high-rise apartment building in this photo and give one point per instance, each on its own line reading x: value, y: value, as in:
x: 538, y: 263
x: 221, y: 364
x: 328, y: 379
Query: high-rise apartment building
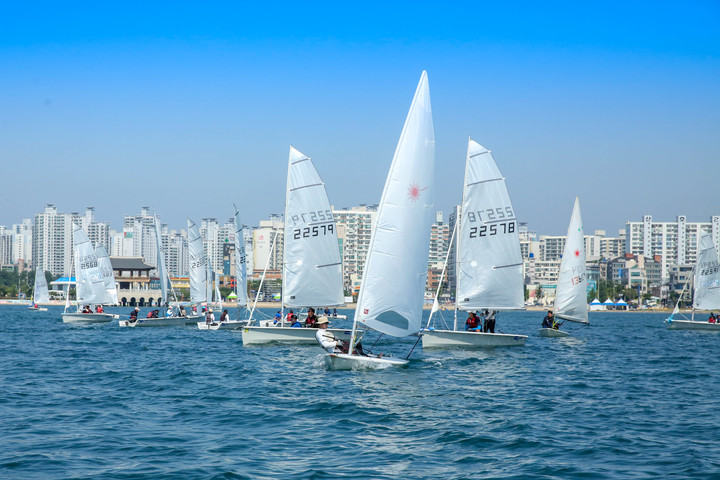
x: 675, y: 242
x: 354, y: 229
x: 52, y: 241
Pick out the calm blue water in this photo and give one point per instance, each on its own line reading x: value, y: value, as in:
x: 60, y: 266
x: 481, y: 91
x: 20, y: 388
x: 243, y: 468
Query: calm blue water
x: 625, y: 398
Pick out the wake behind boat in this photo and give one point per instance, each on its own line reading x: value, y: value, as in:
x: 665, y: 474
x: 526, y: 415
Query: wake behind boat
x: 488, y: 262
x: 706, y: 297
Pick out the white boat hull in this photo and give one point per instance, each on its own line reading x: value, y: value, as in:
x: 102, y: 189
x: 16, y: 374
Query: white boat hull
x: 453, y: 339
x: 154, y: 322
x: 551, y: 332
x: 344, y: 361
x: 690, y: 325
x: 193, y: 319
x: 300, y: 336
x: 40, y: 309
x: 230, y: 325
x: 87, y: 317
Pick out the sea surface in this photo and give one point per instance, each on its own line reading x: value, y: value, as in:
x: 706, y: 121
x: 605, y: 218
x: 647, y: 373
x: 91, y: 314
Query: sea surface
x: 622, y: 398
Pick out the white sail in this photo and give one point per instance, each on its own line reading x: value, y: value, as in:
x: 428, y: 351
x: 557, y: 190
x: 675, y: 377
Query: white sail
x: 489, y: 262
x: 707, y: 276
x: 40, y: 290
x: 162, y: 272
x: 218, y: 298
x: 393, y: 286
x: 571, y: 293
x: 198, y: 262
x: 89, y: 284
x: 312, y: 269
x: 240, y: 272
x: 111, y: 294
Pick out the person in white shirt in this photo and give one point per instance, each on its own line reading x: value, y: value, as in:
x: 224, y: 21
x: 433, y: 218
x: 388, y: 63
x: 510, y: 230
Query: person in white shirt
x: 209, y: 316
x: 326, y: 339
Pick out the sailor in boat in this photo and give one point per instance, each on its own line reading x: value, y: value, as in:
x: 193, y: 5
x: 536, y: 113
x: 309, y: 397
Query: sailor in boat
x: 327, y: 312
x: 99, y: 309
x: 289, y: 316
x: 330, y: 343
x: 278, y: 316
x: 295, y: 323
x: 549, y: 321
x: 209, y: 317
x: 182, y: 312
x: 169, y: 312
x: 472, y: 324
x: 489, y: 322
x: 153, y: 314
x: 134, y: 314
x: 712, y: 318
x: 311, y: 320
x: 86, y: 309
x: 224, y: 316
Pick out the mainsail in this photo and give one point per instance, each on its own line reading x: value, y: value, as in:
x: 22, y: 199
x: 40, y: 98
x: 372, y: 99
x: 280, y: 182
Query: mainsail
x: 393, y: 286
x: 240, y: 273
x: 40, y: 290
x: 198, y: 260
x: 312, y: 269
x: 707, y: 276
x: 162, y: 272
x: 489, y: 263
x: 571, y: 293
x: 111, y: 294
x: 90, y: 287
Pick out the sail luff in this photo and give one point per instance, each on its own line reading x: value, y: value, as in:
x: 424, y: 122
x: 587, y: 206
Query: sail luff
x: 240, y: 259
x: 393, y: 286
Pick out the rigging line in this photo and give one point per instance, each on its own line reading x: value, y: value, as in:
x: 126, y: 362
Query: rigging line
x: 413, y: 348
x: 373, y: 345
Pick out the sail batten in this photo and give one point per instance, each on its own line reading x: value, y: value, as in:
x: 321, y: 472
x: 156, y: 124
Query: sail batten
x: 312, y: 268
x: 393, y: 286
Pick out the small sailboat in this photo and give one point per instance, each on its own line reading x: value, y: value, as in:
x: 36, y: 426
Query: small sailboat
x: 40, y: 292
x: 240, y: 282
x: 488, y: 262
x: 571, y: 292
x: 105, y: 265
x: 89, y: 282
x: 312, y: 268
x: 163, y: 320
x: 393, y: 286
x: 706, y: 286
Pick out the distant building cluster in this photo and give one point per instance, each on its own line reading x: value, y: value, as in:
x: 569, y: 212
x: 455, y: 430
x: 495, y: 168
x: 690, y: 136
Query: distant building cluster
x: 652, y: 257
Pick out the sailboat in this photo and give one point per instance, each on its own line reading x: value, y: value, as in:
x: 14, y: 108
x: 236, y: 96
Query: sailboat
x: 706, y: 286
x: 393, y: 286
x: 312, y: 268
x: 571, y: 292
x: 40, y: 292
x: 489, y: 263
x: 163, y: 320
x: 240, y: 282
x: 89, y: 283
x: 105, y: 265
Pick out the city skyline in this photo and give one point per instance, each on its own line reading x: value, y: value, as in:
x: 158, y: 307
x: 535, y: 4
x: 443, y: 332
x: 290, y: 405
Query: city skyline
x: 189, y: 109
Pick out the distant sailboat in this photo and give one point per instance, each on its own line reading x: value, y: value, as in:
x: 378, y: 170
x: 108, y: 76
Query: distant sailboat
x: 89, y: 282
x: 393, y: 286
x: 706, y: 287
x: 488, y: 262
x: 312, y: 268
x: 40, y: 292
x: 571, y: 291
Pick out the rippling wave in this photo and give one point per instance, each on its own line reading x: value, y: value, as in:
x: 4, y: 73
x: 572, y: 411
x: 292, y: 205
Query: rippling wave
x: 622, y: 398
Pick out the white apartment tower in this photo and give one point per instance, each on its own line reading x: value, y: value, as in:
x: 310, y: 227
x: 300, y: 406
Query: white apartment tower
x: 52, y: 241
x: 354, y: 230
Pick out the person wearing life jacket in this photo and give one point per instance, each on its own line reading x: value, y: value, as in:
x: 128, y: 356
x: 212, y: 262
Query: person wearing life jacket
x: 311, y: 320
x: 209, y: 317
x: 288, y: 317
x: 134, y: 314
x: 99, y: 309
x: 713, y: 318
x: 549, y: 320
x: 330, y: 343
x: 472, y: 324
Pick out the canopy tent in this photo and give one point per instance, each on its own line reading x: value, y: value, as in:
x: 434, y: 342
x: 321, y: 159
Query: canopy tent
x: 609, y: 302
x: 596, y: 305
x: 596, y: 302
x: 621, y: 304
x: 232, y: 295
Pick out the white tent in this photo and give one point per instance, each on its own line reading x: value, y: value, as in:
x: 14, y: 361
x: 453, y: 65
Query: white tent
x: 596, y: 305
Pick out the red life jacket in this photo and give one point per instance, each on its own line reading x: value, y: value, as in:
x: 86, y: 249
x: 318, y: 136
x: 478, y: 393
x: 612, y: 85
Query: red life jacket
x: 472, y: 322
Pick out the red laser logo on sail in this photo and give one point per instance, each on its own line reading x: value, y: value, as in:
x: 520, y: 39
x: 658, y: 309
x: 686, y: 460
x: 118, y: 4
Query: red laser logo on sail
x: 414, y: 191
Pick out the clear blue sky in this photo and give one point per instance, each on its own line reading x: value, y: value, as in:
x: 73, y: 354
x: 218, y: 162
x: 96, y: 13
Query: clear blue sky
x: 189, y: 108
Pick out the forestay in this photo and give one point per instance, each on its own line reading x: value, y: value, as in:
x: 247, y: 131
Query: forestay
x: 40, y: 290
x: 240, y: 273
x: 111, y: 294
x: 489, y: 263
x: 571, y: 293
x: 90, y: 286
x: 312, y: 269
x: 393, y: 285
x: 707, y: 276
x: 198, y: 260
